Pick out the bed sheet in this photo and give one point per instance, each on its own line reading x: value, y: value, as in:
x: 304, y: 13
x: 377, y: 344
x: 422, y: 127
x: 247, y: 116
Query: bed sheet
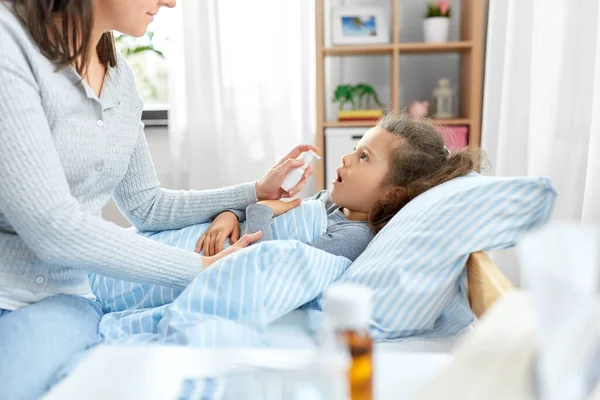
x: 293, y: 331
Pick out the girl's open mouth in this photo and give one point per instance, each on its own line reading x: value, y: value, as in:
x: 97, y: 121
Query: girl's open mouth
x: 338, y: 178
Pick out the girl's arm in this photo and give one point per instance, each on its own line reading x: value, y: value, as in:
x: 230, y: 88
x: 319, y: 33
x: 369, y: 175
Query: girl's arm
x: 259, y: 215
x: 258, y: 218
x: 347, y: 239
x: 322, y: 195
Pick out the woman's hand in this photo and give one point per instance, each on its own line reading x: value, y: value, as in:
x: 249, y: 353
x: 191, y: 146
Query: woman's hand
x: 281, y: 207
x: 244, y: 242
x: 269, y: 187
x: 226, y: 225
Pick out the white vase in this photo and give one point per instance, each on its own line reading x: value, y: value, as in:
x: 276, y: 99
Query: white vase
x: 435, y: 29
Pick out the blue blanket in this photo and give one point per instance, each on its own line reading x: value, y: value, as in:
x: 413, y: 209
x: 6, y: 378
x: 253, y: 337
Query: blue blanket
x: 232, y: 302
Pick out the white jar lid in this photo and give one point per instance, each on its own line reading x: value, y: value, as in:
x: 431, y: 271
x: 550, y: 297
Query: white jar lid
x: 348, y: 306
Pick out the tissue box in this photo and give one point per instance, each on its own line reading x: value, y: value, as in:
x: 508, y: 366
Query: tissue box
x: 456, y: 137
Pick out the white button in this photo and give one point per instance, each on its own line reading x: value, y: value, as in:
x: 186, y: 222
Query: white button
x: 99, y: 167
x: 40, y: 279
x: 100, y: 123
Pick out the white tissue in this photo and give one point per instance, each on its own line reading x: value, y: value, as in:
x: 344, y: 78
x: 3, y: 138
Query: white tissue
x: 560, y: 271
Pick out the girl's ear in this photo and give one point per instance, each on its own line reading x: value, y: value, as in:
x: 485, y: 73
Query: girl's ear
x: 392, y: 199
x: 394, y: 194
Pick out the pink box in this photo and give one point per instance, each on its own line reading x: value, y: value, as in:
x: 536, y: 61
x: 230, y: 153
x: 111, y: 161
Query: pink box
x: 456, y: 137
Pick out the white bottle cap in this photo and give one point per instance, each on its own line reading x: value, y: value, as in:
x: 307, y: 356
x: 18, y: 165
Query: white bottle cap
x: 308, y: 156
x: 348, y: 306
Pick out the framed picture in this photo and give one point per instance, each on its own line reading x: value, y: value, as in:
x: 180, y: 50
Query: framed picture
x: 359, y: 25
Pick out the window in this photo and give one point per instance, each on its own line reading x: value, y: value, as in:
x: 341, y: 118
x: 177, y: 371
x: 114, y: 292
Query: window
x: 148, y: 60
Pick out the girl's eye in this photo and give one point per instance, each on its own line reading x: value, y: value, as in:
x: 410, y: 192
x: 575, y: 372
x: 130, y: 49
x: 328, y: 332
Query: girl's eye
x: 364, y: 156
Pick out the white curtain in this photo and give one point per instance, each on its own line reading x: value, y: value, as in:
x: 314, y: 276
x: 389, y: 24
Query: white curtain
x: 242, y: 88
x: 542, y: 98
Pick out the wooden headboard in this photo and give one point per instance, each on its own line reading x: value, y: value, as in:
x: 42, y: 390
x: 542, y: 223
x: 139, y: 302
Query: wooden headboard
x: 486, y: 283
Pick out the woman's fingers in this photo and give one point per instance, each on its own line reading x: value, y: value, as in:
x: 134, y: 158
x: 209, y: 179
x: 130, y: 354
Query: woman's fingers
x: 297, y: 151
x: 296, y: 189
x: 245, y: 241
x: 219, y: 241
x: 289, y: 165
x: 211, y: 247
x: 309, y: 171
x: 206, y: 246
x: 199, y: 243
x: 235, y: 235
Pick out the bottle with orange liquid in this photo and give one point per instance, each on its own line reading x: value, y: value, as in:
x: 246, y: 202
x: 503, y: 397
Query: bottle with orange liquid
x: 348, y: 314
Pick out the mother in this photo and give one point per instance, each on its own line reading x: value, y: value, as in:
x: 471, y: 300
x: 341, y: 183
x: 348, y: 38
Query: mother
x: 70, y: 140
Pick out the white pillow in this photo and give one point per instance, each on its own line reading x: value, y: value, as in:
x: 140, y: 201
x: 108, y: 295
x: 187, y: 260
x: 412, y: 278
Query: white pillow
x: 416, y: 264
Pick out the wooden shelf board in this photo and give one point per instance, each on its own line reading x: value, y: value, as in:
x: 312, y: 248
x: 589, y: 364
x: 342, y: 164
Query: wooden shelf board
x: 369, y: 124
x: 359, y: 49
x: 349, y: 124
x: 451, y: 122
x: 389, y: 48
x: 434, y: 47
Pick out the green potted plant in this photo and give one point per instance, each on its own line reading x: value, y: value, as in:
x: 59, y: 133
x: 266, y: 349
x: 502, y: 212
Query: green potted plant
x: 142, y: 53
x: 360, y: 98
x: 437, y: 22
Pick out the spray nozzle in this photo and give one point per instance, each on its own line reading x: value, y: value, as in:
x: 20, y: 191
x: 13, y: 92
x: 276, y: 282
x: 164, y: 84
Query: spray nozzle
x: 308, y: 156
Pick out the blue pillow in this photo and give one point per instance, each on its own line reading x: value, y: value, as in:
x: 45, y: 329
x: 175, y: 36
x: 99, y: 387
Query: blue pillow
x: 416, y: 264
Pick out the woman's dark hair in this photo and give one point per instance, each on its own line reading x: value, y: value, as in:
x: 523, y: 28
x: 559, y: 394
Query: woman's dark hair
x: 62, y: 30
x: 418, y: 162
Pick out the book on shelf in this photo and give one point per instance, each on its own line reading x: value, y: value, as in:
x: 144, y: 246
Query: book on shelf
x: 359, y: 115
x: 455, y: 137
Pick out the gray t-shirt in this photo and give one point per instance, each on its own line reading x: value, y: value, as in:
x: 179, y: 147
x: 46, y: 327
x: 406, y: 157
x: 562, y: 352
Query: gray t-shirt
x: 343, y: 237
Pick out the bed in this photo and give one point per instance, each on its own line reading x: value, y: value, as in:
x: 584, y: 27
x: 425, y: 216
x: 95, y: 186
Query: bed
x: 487, y: 283
x: 403, y: 368
x: 415, y: 268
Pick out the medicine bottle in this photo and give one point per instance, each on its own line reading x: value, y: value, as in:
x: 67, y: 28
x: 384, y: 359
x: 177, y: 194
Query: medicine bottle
x: 348, y: 314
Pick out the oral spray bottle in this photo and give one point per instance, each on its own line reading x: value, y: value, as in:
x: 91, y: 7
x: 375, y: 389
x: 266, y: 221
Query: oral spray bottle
x: 294, y: 176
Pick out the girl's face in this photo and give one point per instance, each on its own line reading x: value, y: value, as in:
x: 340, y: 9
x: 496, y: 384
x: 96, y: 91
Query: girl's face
x: 130, y: 17
x: 359, y: 178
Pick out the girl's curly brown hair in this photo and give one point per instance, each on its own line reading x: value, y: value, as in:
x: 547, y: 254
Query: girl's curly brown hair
x: 419, y: 162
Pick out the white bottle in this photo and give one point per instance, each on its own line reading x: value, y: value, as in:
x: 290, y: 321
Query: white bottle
x: 294, y: 176
x: 345, y: 328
